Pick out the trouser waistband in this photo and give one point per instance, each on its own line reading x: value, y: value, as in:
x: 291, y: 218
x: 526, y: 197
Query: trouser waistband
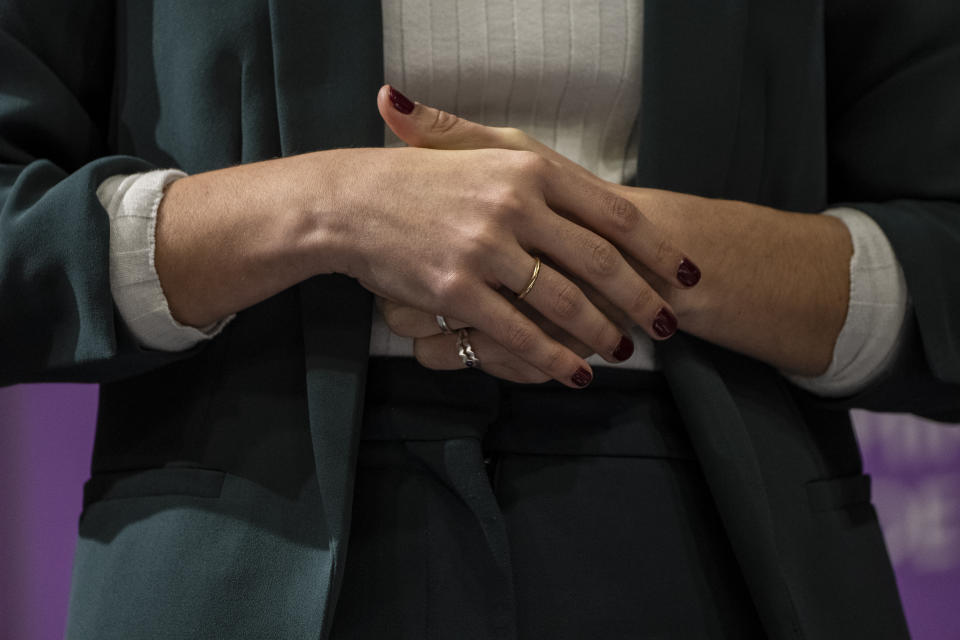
x: 623, y: 412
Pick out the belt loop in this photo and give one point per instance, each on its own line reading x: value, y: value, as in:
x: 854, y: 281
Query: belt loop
x: 460, y: 463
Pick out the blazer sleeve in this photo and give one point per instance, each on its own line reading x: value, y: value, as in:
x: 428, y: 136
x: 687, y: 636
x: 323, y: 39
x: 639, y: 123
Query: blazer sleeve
x: 893, y: 104
x: 57, y: 317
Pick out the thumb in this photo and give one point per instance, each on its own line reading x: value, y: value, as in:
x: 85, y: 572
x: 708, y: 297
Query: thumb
x: 421, y: 126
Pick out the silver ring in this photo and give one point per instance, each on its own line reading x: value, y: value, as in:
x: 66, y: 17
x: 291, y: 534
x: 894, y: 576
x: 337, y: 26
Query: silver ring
x: 467, y: 356
x: 442, y: 323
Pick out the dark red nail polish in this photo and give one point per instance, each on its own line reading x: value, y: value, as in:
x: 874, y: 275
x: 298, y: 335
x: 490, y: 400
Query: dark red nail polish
x: 687, y: 273
x: 400, y: 102
x: 582, y: 377
x: 665, y: 324
x: 624, y: 349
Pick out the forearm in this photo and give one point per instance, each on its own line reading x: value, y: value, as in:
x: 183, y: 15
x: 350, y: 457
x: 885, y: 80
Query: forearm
x: 228, y: 239
x: 775, y: 284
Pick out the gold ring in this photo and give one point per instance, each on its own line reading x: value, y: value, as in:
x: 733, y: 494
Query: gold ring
x: 533, y: 280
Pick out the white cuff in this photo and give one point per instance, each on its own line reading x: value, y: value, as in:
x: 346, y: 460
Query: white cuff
x: 871, y: 333
x: 131, y: 202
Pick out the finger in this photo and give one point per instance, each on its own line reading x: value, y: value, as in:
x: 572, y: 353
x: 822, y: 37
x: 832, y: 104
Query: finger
x: 594, y: 259
x: 564, y: 304
x: 584, y: 196
x: 410, y: 322
x: 413, y: 323
x: 552, y: 330
x: 421, y: 125
x: 607, y: 308
x: 442, y: 353
x: 491, y: 313
x: 616, y: 218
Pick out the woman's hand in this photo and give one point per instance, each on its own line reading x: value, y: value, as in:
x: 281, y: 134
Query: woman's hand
x: 438, y: 351
x: 437, y: 229
x: 778, y: 282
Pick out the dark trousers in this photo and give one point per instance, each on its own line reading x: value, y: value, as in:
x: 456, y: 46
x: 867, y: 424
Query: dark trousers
x: 486, y: 509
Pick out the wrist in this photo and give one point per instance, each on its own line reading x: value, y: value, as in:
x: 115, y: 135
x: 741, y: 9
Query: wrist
x: 682, y: 218
x: 331, y: 210
x: 230, y: 238
x: 775, y: 285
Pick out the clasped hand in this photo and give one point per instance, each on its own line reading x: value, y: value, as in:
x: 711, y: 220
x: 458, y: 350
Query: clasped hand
x: 452, y: 226
x: 515, y: 199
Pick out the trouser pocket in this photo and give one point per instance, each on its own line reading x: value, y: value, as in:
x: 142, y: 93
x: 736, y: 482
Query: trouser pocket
x: 196, y: 553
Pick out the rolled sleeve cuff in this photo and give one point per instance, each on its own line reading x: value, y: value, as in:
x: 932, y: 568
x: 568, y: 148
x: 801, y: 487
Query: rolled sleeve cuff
x: 131, y: 201
x: 871, y: 333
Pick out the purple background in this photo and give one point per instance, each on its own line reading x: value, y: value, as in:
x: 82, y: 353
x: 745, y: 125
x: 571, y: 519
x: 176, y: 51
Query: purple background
x: 46, y: 437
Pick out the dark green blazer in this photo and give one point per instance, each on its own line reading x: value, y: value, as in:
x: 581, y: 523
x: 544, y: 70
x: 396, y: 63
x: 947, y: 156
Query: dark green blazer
x: 222, y: 477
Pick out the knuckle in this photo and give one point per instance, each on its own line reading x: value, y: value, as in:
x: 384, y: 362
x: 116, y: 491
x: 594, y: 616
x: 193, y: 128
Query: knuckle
x: 566, y: 303
x: 623, y: 216
x: 602, y: 337
x: 450, y: 288
x: 640, y: 302
x: 509, y: 200
x: 520, y: 339
x: 664, y: 250
x: 530, y: 162
x: 514, y: 138
x: 553, y: 361
x: 443, y: 122
x: 604, y: 258
x: 484, y: 241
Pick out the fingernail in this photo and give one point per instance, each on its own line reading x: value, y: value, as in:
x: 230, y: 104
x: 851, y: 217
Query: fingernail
x: 687, y: 273
x: 624, y: 349
x: 400, y: 102
x: 582, y: 377
x: 665, y: 324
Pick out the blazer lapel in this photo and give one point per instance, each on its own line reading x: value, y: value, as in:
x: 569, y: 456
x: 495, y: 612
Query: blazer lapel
x: 724, y: 442
x: 693, y: 68
x: 328, y: 65
x: 693, y: 52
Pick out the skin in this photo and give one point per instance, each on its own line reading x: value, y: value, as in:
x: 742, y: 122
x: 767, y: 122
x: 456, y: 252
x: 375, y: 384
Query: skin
x: 775, y: 283
x: 228, y: 239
